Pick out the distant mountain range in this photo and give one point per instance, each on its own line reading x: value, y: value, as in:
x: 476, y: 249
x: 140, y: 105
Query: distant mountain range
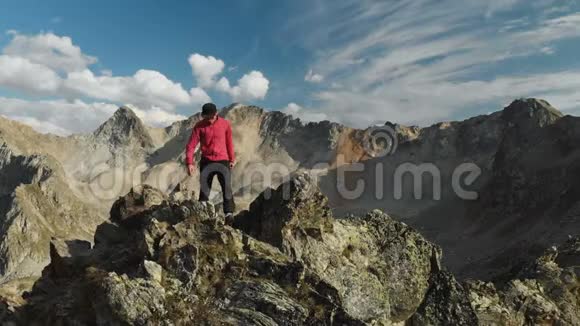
x: 528, y: 194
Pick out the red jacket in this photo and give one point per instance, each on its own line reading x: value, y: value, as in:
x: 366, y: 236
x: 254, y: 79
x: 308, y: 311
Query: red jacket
x: 215, y: 139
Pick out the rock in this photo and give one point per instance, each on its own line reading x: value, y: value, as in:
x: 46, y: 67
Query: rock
x: 127, y: 209
x: 488, y: 305
x: 543, y: 292
x: 134, y: 301
x: 153, y: 270
x: 184, y: 190
x: 297, y: 200
x: 38, y: 205
x: 180, y: 264
x: 531, y: 113
x: 262, y: 303
x: 173, y: 267
x: 289, y: 260
x: 124, y: 128
x: 446, y: 303
x: 380, y: 268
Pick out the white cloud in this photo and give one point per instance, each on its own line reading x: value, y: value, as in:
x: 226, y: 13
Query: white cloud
x: 303, y: 114
x: 56, y: 52
x: 205, y: 69
x: 198, y: 96
x: 499, y: 5
x: 251, y: 86
x: 40, y: 125
x: 548, y: 50
x: 34, y: 63
x: 419, y: 61
x: 57, y: 116
x: 63, y: 118
x: 567, y: 26
x: 439, y: 101
x: 312, y: 77
x: 223, y: 85
x: 21, y: 74
x: 48, y: 64
x: 145, y: 88
x: 156, y: 116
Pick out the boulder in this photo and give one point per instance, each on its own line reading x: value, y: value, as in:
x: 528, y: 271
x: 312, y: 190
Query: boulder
x: 380, y: 267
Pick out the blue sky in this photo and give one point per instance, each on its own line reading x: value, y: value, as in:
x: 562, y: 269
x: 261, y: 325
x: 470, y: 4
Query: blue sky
x: 66, y: 65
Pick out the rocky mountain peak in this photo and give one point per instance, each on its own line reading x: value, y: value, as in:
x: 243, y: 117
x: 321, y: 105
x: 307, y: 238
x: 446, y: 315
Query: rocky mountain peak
x: 240, y: 112
x: 537, y: 111
x: 123, y: 128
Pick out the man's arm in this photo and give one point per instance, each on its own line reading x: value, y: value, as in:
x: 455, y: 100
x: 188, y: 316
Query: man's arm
x: 191, y: 144
x: 230, y: 145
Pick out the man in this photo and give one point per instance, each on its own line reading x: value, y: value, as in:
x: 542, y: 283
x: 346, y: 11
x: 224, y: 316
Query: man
x: 214, y: 134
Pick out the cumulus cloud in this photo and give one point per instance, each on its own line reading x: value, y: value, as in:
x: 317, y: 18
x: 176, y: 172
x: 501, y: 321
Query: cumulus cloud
x: 251, y: 86
x: 57, y: 116
x: 303, y: 114
x: 156, y: 116
x: 49, y: 64
x: 198, y: 96
x: 312, y: 77
x: 145, y: 88
x: 22, y: 74
x: 205, y: 69
x: 56, y: 52
x: 61, y: 117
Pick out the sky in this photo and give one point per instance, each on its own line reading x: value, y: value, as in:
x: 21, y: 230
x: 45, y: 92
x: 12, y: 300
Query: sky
x: 66, y: 66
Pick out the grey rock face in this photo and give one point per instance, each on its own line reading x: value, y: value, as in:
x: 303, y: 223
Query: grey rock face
x: 526, y: 197
x: 289, y: 260
x: 36, y: 204
x: 544, y: 292
x: 127, y: 208
x: 446, y: 303
x: 380, y: 267
x: 124, y: 128
x: 180, y: 264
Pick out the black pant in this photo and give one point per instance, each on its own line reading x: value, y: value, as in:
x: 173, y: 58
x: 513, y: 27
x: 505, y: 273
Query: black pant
x: 209, y: 169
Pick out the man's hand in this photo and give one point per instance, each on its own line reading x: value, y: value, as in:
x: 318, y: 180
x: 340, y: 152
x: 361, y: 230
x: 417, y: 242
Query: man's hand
x: 232, y: 164
x: 190, y: 169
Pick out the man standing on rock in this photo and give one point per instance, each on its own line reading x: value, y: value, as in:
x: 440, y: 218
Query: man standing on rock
x: 214, y: 134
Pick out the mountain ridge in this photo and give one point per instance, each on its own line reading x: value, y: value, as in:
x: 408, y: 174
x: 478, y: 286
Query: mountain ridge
x: 124, y: 152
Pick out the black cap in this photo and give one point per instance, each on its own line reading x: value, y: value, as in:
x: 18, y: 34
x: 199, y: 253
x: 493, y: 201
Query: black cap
x: 208, y: 109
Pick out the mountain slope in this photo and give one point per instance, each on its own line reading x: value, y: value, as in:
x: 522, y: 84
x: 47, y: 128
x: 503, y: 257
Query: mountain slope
x: 526, y: 194
x: 287, y: 262
x: 526, y: 200
x: 36, y: 205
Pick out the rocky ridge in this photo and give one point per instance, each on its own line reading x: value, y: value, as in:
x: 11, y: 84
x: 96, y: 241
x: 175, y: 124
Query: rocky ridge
x: 37, y: 205
x: 160, y: 262
x: 94, y: 169
x: 527, y: 196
